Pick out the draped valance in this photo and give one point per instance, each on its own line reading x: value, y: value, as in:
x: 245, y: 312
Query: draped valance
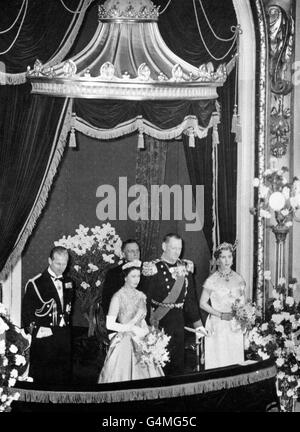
x: 164, y: 120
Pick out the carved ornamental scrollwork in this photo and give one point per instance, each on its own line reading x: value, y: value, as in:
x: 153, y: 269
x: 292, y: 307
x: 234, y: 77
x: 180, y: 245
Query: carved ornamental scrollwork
x: 281, y: 42
x: 281, y: 37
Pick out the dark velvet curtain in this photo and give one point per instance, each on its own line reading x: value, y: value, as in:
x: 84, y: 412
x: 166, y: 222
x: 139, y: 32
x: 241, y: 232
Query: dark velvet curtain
x: 27, y: 123
x: 24, y: 156
x: 43, y: 29
x: 164, y: 114
x: 199, y: 162
x: 184, y: 39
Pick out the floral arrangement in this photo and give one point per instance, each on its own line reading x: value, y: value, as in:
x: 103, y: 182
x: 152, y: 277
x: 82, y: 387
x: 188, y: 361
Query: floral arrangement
x: 277, y: 337
x: 92, y: 252
x: 13, y: 344
x: 279, y: 199
x: 243, y: 315
x: 152, y: 348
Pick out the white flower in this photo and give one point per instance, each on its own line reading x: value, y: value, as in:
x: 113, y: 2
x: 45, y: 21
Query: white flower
x: 281, y: 281
x: 289, y: 223
x: 11, y: 382
x: 277, y: 305
x: 289, y: 300
x: 280, y: 375
x: 13, y: 349
x: 262, y: 354
x: 284, y: 212
x: 290, y: 393
x: 93, y: 267
x: 84, y: 285
x: 3, y: 326
x: 275, y: 294
x: 98, y: 283
x: 294, y: 368
x: 5, y: 361
x: 279, y: 393
x: 280, y: 362
x: 264, y: 326
x: 14, y: 373
x: 277, y: 318
x: 279, y: 329
x: 20, y: 360
x: 286, y: 192
x: 77, y: 268
x: 256, y: 182
x: 3, y: 398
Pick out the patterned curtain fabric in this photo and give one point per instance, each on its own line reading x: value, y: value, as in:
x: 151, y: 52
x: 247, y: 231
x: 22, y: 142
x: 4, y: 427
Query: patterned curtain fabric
x: 150, y: 170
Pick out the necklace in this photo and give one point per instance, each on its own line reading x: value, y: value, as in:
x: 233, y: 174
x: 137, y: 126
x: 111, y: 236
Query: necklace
x: 227, y: 276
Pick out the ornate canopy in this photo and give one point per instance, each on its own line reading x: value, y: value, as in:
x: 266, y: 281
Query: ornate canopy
x: 127, y: 59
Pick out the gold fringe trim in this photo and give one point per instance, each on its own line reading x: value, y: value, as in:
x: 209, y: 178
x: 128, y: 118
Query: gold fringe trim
x: 144, y: 126
x: 20, y: 78
x: 128, y: 395
x: 58, y: 147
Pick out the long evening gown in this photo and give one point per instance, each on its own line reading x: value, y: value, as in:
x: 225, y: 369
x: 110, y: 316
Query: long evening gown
x: 225, y: 345
x: 121, y: 363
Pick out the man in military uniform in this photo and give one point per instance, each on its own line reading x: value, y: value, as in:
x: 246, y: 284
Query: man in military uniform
x: 114, y: 279
x: 46, y: 313
x: 171, y: 297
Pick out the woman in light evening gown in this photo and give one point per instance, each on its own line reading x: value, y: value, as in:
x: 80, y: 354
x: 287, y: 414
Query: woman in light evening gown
x: 225, y: 342
x: 126, y: 316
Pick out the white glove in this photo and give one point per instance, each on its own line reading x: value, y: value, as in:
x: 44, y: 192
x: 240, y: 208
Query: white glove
x: 140, y: 332
x: 200, y: 332
x: 111, y: 324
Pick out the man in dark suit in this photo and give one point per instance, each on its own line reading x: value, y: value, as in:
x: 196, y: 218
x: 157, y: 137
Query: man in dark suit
x: 46, y: 311
x: 171, y: 298
x: 114, y: 279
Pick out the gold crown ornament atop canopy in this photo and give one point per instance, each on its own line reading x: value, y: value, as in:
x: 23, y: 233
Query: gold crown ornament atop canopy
x: 119, y: 10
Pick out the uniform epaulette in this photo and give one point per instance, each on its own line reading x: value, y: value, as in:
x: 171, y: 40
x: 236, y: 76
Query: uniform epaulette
x: 189, y: 265
x: 149, y: 268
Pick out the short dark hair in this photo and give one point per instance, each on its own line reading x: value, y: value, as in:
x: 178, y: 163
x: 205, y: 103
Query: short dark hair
x: 128, y: 241
x: 60, y: 250
x: 167, y: 237
x: 127, y: 270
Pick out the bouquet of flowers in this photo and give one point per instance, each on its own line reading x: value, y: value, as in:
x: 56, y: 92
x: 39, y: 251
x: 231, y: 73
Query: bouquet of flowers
x: 152, y: 348
x: 13, y: 344
x: 243, y: 315
x: 92, y: 252
x: 278, y: 198
x: 277, y: 337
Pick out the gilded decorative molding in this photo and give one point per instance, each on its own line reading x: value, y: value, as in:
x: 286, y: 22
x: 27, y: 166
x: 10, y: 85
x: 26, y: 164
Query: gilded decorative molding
x: 91, y: 89
x: 262, y: 53
x: 279, y: 127
x: 281, y: 34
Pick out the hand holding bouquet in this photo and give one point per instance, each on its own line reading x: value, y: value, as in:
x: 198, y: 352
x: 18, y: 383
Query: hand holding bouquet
x: 152, y: 348
x: 243, y: 315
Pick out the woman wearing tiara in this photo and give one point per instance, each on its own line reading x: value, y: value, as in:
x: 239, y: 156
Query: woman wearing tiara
x: 225, y: 344
x: 126, y: 316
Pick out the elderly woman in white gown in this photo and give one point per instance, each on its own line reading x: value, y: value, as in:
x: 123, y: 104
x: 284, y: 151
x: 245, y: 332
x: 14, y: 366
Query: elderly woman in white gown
x: 126, y: 316
x: 225, y: 344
